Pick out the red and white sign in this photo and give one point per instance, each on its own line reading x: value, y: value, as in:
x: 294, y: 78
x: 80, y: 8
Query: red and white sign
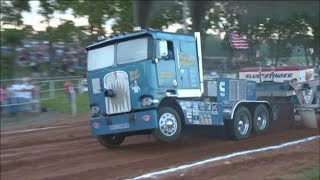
x: 277, y: 74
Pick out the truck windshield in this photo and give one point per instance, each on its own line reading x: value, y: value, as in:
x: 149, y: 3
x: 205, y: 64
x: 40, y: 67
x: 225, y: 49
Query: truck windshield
x: 101, y: 58
x: 132, y: 50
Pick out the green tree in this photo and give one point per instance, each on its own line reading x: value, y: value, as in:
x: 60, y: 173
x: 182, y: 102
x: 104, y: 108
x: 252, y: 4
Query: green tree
x: 157, y: 14
x: 11, y: 11
x: 123, y: 16
x: 280, y: 12
x: 300, y: 34
x: 97, y: 12
x: 169, y: 13
x: 11, y: 38
x: 69, y: 33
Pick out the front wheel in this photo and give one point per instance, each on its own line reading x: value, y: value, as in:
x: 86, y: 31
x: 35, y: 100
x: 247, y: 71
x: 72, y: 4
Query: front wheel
x: 169, y: 125
x: 260, y: 119
x: 111, y: 141
x: 241, y: 124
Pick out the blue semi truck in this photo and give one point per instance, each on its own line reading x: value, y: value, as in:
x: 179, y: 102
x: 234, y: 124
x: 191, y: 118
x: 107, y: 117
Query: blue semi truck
x: 151, y: 82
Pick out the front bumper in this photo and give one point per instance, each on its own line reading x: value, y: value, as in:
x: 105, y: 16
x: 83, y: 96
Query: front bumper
x: 123, y: 123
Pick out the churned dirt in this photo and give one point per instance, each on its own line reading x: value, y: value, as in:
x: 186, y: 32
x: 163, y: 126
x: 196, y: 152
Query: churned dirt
x: 70, y: 152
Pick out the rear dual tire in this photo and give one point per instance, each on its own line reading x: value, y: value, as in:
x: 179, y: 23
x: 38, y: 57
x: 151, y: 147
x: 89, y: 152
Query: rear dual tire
x: 261, y: 119
x: 242, y: 124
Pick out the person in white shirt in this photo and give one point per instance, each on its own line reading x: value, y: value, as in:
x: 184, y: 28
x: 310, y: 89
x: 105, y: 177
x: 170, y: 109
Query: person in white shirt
x: 14, y: 97
x: 21, y: 92
x: 25, y: 94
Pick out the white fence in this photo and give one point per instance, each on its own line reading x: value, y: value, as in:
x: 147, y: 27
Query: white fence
x: 43, y: 89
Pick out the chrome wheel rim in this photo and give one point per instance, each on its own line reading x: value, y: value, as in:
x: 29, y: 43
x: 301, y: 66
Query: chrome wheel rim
x: 168, y: 124
x: 262, y: 121
x: 243, y: 124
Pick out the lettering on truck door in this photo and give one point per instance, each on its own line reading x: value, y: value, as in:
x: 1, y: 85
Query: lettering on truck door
x: 188, y: 72
x: 166, y: 69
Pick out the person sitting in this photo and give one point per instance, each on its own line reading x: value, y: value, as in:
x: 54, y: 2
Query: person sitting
x: 170, y: 54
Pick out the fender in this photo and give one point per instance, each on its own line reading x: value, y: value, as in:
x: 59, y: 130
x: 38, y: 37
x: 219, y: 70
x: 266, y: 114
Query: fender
x: 229, y: 108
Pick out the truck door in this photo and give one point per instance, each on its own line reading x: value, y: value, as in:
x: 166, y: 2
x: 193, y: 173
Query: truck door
x: 188, y: 69
x: 166, y: 68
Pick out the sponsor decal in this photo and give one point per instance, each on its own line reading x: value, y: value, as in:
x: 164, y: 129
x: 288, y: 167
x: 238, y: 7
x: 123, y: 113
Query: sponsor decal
x: 146, y: 117
x: 203, y: 106
x: 308, y: 75
x: 307, y: 94
x: 189, y: 104
x: 195, y: 112
x: 196, y: 122
x: 186, y: 60
x: 119, y: 126
x: 189, y: 114
x: 195, y: 105
x: 135, y: 87
x: 222, y: 88
x: 270, y: 75
x: 134, y: 75
x: 96, y: 125
x: 214, y: 109
x: 165, y: 74
x: 208, y: 106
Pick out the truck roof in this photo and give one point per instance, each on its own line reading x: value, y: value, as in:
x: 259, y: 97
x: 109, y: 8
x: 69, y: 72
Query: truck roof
x: 152, y: 32
x: 272, y: 68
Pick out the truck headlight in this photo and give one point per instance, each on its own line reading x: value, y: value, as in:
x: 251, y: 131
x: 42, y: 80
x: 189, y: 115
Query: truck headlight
x: 94, y: 110
x: 146, y: 101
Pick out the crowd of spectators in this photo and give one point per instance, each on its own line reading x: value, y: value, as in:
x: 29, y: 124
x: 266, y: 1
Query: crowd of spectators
x: 57, y: 58
x: 38, y: 59
x: 19, y: 96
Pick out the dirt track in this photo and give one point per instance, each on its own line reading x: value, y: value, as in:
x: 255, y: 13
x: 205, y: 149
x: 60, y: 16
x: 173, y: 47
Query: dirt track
x: 72, y: 153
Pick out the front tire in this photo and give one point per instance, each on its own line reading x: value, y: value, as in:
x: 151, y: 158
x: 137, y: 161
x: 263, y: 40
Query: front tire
x: 111, y: 141
x: 261, y: 119
x: 169, y: 125
x: 241, y: 124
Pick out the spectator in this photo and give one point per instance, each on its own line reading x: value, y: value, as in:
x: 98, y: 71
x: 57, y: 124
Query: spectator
x: 14, y: 97
x: 26, y: 94
x: 68, y: 89
x: 36, y: 96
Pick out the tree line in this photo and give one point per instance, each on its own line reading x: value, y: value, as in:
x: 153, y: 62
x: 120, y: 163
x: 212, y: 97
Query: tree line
x: 279, y: 24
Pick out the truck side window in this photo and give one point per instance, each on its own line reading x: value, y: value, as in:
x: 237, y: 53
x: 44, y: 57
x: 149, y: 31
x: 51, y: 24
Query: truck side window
x: 170, y: 50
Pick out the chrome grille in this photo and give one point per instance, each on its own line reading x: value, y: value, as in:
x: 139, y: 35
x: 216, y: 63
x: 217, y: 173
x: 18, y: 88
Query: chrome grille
x: 242, y: 90
x: 118, y: 82
x: 237, y: 90
x: 233, y: 89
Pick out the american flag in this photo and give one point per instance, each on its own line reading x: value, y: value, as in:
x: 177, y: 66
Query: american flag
x: 238, y: 41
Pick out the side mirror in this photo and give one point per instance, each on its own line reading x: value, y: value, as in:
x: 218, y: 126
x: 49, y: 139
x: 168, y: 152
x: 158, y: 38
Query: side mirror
x: 163, y: 48
x: 155, y: 60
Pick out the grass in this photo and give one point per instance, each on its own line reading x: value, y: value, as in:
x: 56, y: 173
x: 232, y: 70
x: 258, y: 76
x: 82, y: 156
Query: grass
x: 312, y: 173
x: 299, y: 59
x: 60, y: 104
x: 308, y: 172
x: 57, y: 107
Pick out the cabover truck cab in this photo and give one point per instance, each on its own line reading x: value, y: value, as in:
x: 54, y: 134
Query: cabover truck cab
x: 152, y: 82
